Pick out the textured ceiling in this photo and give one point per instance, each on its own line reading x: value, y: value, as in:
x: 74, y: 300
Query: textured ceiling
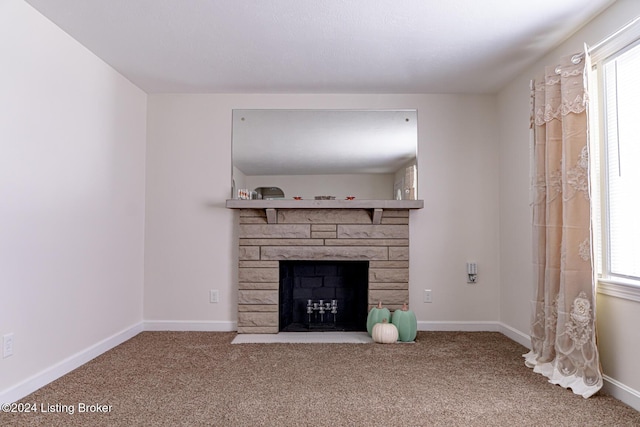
x: 319, y: 46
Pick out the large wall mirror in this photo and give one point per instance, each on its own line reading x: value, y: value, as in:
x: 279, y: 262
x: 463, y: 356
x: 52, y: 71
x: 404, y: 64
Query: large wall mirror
x: 366, y: 154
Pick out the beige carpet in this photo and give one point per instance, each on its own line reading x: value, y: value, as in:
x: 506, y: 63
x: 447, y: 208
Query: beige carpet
x: 201, y: 379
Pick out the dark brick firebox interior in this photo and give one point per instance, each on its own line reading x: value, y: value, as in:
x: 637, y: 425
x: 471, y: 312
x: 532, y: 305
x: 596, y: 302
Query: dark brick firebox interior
x: 343, y: 281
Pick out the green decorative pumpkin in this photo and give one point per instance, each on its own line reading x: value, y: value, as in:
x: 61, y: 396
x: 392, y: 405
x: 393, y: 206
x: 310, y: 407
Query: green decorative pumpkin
x: 405, y: 321
x: 376, y: 315
x: 384, y: 332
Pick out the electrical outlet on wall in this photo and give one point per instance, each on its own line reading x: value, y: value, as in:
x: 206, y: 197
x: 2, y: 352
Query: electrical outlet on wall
x: 472, y: 272
x: 213, y: 296
x: 427, y: 296
x: 7, y: 345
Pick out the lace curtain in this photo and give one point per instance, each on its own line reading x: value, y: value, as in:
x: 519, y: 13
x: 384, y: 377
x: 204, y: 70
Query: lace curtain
x: 563, y: 322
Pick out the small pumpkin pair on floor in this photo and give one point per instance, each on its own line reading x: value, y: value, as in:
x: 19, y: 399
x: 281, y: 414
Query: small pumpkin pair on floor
x: 403, y: 326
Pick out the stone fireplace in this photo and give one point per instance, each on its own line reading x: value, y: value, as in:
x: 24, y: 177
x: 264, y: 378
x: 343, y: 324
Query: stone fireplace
x: 270, y: 232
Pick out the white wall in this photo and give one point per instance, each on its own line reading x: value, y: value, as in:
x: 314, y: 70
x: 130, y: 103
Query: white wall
x: 72, y: 138
x: 190, y: 235
x: 620, y: 344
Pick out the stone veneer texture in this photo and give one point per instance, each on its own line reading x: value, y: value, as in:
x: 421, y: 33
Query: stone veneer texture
x: 322, y: 235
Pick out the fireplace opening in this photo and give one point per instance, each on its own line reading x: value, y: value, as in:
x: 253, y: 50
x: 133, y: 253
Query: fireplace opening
x: 323, y: 296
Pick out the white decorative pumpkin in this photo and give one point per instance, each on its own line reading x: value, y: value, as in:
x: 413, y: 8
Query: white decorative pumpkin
x: 384, y: 332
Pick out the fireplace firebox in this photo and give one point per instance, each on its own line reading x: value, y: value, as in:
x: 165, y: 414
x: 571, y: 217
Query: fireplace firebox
x: 323, y: 295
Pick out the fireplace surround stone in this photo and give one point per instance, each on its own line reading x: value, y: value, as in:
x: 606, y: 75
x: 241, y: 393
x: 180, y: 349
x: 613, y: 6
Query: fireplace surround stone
x: 266, y: 238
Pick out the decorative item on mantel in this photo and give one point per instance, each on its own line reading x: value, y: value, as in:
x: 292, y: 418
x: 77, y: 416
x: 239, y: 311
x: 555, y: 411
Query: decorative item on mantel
x: 246, y: 194
x: 350, y: 197
x: 269, y: 193
x: 325, y: 197
x: 297, y: 198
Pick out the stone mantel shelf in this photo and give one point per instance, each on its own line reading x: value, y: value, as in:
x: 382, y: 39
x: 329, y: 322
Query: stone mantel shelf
x: 271, y: 206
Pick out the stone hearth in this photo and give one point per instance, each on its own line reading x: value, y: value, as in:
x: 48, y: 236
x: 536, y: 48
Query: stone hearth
x: 268, y: 236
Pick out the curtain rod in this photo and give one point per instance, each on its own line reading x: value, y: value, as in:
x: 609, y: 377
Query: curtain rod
x: 578, y: 57
x: 614, y: 35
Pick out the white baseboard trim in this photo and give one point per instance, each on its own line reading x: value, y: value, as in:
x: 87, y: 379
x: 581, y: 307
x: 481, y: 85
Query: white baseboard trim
x: 190, y: 325
x: 28, y: 386
x: 621, y: 392
x: 516, y: 335
x: 479, y: 326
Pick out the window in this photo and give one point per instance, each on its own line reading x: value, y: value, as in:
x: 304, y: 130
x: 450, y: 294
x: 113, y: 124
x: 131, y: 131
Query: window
x: 615, y: 153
